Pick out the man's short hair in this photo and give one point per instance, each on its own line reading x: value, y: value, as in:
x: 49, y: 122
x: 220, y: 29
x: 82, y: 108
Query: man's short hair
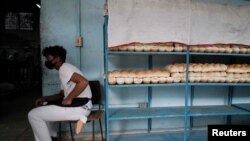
x: 55, y: 51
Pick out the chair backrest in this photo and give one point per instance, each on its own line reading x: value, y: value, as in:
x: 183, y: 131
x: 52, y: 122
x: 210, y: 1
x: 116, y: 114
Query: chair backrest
x: 95, y: 87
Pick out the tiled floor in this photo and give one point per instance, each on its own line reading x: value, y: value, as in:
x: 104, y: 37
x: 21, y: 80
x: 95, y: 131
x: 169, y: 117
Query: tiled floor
x: 14, y: 124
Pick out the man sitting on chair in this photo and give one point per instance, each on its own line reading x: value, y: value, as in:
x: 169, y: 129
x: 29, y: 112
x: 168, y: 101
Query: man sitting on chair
x: 75, y: 95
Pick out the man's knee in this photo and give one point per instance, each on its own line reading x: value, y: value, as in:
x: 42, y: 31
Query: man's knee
x: 32, y: 114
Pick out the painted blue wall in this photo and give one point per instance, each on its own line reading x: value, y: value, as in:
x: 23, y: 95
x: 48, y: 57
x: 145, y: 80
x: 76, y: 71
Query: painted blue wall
x: 60, y: 25
x: 60, y: 22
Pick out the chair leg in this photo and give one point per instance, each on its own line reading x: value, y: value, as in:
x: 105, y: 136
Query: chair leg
x: 93, y: 130
x: 71, y: 131
x: 60, y: 131
x: 100, y: 121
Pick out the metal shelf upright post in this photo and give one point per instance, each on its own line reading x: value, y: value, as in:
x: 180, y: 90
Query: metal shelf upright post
x: 187, y: 87
x: 105, y: 36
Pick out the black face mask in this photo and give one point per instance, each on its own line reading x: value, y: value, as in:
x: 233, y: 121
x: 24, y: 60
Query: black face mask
x: 49, y: 65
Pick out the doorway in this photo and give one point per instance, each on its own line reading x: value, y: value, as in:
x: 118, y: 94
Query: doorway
x: 20, y: 73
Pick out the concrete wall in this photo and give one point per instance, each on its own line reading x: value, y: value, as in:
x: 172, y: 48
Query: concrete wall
x: 60, y: 22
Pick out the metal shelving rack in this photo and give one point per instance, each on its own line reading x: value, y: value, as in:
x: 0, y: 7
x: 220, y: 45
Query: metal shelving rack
x: 186, y: 112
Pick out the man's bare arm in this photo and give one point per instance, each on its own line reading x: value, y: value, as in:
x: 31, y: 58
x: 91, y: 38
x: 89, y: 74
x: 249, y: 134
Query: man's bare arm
x: 81, y: 84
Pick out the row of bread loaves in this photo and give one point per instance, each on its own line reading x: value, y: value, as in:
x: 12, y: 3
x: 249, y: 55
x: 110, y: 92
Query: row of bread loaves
x: 178, y: 47
x: 221, y: 49
x: 138, y: 76
x: 196, y: 67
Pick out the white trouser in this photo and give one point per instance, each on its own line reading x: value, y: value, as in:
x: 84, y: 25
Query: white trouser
x: 40, y: 119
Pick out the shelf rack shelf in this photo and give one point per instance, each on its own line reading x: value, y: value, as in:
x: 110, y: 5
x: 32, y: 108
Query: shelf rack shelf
x: 186, y: 112
x: 145, y: 113
x: 177, y: 111
x: 174, y: 53
x: 149, y: 85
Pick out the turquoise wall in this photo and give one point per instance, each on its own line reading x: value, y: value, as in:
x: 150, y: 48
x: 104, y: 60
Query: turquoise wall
x: 61, y: 22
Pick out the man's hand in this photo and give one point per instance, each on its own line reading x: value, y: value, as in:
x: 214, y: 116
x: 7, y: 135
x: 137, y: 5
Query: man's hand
x: 66, y: 101
x: 40, y: 101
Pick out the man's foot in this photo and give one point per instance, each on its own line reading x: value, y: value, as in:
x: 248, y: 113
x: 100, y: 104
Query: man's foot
x: 79, y: 126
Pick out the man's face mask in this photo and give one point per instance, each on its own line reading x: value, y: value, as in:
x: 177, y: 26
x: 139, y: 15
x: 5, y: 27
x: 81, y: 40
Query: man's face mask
x: 49, y: 64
